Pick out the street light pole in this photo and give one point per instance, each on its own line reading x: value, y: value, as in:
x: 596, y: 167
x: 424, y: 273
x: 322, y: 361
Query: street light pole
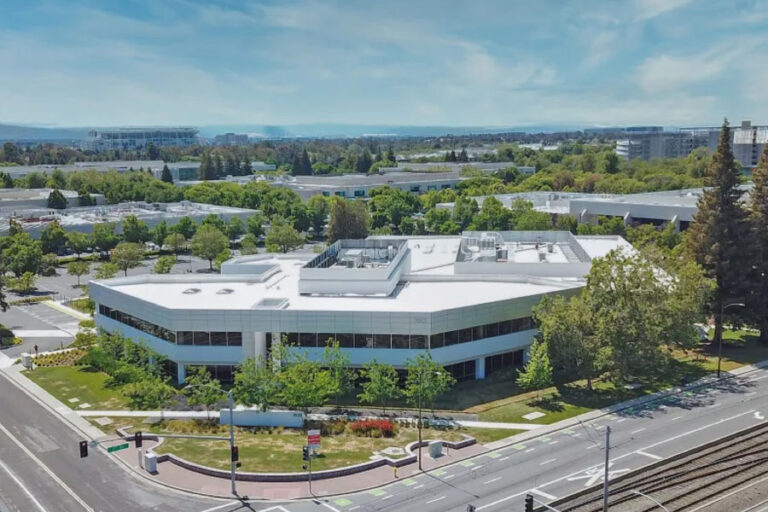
x: 723, y: 307
x: 420, y: 392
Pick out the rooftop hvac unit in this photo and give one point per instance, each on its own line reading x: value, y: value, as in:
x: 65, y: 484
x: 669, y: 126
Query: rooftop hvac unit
x: 542, y: 256
x: 502, y: 254
x: 550, y: 248
x: 391, y: 252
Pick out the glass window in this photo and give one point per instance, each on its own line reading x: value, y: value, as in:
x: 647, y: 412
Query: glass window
x: 308, y: 339
x: 235, y: 338
x: 399, y: 341
x: 292, y: 338
x: 418, y: 341
x: 185, y: 338
x: 465, y: 335
x: 451, y: 338
x: 363, y: 341
x: 345, y: 340
x: 505, y: 327
x: 478, y: 332
x: 382, y: 341
x: 491, y: 330
x: 201, y: 338
x: 437, y: 340
x: 324, y: 337
x: 218, y: 338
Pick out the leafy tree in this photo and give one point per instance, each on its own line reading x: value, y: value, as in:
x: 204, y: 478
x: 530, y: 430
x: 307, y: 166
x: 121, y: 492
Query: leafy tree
x: 186, y: 226
x: 363, y: 162
x: 147, y: 394
x: 127, y: 255
x: 84, y: 198
x: 166, y: 175
x: 56, y: 200
x: 208, y: 243
x: 464, y: 210
x: 48, y: 264
x: 257, y: 382
x: 235, y: 227
x: 493, y: 216
x: 425, y: 380
x: 380, y: 385
x: 135, y: 230
x: 216, y: 221
x: 78, y: 242
x: 176, y: 242
x: 349, y: 220
x: 164, y: 264
x: 5, y: 180
x: 318, y: 210
x: 283, y: 236
x: 25, y: 283
x: 3, y: 302
x: 153, y: 152
x: 57, y: 180
x: 336, y: 361
x: 301, y: 164
x: 103, y: 237
x: 22, y: 254
x: 538, y: 371
x: 223, y: 256
x: 201, y: 388
x: 159, y: 233
x: 305, y: 383
x: 248, y: 245
x: 758, y: 210
x: 106, y: 271
x: 255, y: 225
x: 78, y: 268
x: 53, y: 237
x: 716, y: 237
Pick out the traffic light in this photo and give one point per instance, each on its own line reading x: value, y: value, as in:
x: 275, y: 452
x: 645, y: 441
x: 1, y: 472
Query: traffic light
x: 235, y: 454
x: 305, y: 453
x: 83, y: 449
x: 138, y: 437
x: 528, y: 503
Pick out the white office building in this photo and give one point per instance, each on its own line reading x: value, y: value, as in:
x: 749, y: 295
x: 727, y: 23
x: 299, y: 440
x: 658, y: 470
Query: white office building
x: 138, y: 138
x: 467, y: 299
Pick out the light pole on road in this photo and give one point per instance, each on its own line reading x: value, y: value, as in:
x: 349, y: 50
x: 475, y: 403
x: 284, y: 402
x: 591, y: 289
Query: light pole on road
x: 421, y: 381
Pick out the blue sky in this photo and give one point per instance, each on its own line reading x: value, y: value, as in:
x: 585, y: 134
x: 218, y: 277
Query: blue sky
x: 441, y: 62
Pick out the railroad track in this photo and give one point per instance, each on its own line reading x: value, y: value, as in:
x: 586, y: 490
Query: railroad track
x: 688, y: 482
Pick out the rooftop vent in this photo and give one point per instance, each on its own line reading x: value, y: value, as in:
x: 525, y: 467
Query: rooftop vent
x: 272, y: 303
x: 225, y: 291
x: 191, y: 291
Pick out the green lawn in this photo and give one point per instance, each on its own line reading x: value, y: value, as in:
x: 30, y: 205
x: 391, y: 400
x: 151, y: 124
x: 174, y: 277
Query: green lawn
x: 65, y: 382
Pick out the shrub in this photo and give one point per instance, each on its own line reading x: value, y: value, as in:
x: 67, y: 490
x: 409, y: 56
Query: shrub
x: 84, y: 338
x: 373, y: 428
x: 89, y: 324
x: 124, y: 373
x: 333, y: 428
x: 151, y: 393
x: 31, y: 300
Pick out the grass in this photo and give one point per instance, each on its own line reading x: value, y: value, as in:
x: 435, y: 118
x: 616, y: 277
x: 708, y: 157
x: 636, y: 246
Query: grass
x: 81, y: 382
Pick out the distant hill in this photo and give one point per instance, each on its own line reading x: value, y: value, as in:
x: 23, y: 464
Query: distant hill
x: 21, y: 133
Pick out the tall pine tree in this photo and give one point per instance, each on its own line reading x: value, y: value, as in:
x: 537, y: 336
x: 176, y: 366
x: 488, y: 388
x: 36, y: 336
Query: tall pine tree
x: 758, y: 211
x: 166, y: 176
x: 717, y: 238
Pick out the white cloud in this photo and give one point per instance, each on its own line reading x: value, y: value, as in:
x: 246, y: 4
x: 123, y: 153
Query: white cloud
x: 648, y: 9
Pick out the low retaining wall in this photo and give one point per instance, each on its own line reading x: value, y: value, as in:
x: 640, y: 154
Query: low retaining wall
x: 300, y: 477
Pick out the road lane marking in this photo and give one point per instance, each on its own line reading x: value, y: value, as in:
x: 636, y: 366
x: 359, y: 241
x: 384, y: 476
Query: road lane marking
x: 436, y: 499
x: 492, y: 480
x: 638, y: 430
x: 592, y: 446
x: 676, y: 418
x: 387, y: 497
x: 547, y: 462
x: 23, y: 488
x: 621, y: 420
x: 759, y: 416
x: 408, y: 482
x: 650, y: 455
x: 46, y: 469
x: 219, y: 507
x: 760, y: 378
x: 529, y: 450
x: 419, y: 486
x: 543, y: 494
x: 554, y: 442
x: 377, y: 492
x: 449, y: 477
x: 503, y: 458
x: 329, y: 507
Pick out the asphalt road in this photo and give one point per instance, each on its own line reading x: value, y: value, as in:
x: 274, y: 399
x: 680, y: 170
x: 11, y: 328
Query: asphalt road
x: 549, y: 467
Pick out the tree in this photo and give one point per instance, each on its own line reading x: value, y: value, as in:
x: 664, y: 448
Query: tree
x: 106, y: 271
x: 208, y: 243
x: 348, y: 220
x: 380, y: 385
x: 363, y: 162
x: 255, y: 225
x: 248, y: 245
x: 152, y: 151
x: 78, y: 242
x: 216, y: 221
x: 164, y: 264
x: 283, y: 236
x: 57, y: 180
x: 159, y: 233
x: 757, y: 299
x: 135, y: 230
x: 103, y: 237
x: 220, y: 258
x: 538, y: 371
x: 176, y: 242
x: 149, y: 393
x: 716, y: 237
x: 3, y: 302
x: 21, y: 254
x: 464, y: 210
x: 78, y: 268
x: 318, y: 210
x: 207, y: 167
x: 336, y: 361
x: 201, y: 388
x: 25, y: 283
x: 84, y: 198
x: 305, y: 383
x: 463, y: 156
x: 425, y: 380
x: 235, y: 227
x: 56, y: 200
x: 166, y: 175
x: 48, y: 264
x: 53, y: 237
x: 257, y: 382
x: 301, y: 165
x: 6, y: 181
x: 127, y: 255
x: 186, y: 226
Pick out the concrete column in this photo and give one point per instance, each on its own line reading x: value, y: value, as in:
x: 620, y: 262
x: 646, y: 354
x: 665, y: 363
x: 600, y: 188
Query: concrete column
x: 480, y: 368
x: 260, y: 344
x: 181, y: 373
x: 627, y: 219
x: 676, y: 222
x: 249, y: 345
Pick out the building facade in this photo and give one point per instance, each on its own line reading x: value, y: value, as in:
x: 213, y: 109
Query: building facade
x: 467, y: 299
x: 138, y: 138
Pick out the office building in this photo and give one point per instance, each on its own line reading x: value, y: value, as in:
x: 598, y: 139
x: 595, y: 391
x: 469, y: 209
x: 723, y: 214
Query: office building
x: 231, y: 139
x: 467, y: 299
x: 748, y: 142
x: 139, y: 138
x: 13, y: 200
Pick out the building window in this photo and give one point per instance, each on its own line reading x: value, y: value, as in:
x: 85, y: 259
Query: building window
x: 382, y: 341
x: 363, y: 341
x: 308, y: 339
x: 399, y: 341
x: 437, y: 340
x: 418, y: 341
x: 345, y: 340
x: 202, y: 338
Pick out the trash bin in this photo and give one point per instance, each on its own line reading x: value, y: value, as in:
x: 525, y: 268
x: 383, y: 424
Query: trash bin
x: 27, y: 360
x: 435, y: 449
x: 150, y: 462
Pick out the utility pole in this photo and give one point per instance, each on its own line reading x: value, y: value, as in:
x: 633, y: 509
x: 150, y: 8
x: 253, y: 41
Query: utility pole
x: 607, y: 462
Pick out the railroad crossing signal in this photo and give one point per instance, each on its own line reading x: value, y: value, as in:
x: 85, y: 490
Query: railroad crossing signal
x: 83, y: 449
x: 139, y: 438
x: 235, y: 454
x: 528, y: 503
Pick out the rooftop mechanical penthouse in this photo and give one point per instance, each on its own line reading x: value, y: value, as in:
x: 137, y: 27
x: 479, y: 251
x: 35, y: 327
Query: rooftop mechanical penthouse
x: 466, y: 298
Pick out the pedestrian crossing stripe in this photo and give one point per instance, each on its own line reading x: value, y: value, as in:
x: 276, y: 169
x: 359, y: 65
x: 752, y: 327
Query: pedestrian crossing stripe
x: 377, y: 492
x: 409, y: 482
x: 343, y: 502
x: 467, y: 463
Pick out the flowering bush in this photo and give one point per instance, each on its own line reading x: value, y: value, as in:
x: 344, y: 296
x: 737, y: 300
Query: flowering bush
x: 373, y: 428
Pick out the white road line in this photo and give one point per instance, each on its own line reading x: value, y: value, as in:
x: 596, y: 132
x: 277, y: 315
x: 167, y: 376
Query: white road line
x: 591, y: 446
x: 417, y: 487
x: 436, y: 499
x: 448, y: 477
x: 621, y: 420
x: 503, y: 458
x: 547, y: 462
x: 387, y: 497
x: 529, y: 450
x: 326, y: 505
x: 650, y: 455
x: 554, y: 442
x: 23, y: 488
x: 354, y: 508
x: 492, y: 480
x: 638, y: 430
x: 45, y: 468
x: 277, y: 508
x: 675, y: 418
x: 543, y: 494
x: 218, y: 507
x: 760, y: 378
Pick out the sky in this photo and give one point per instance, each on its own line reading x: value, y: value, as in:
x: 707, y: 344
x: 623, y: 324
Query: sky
x: 394, y: 62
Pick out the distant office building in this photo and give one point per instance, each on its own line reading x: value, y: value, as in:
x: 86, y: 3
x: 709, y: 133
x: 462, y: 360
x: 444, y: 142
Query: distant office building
x: 138, y: 138
x: 231, y: 139
x: 648, y: 143
x: 748, y: 142
x: 14, y: 200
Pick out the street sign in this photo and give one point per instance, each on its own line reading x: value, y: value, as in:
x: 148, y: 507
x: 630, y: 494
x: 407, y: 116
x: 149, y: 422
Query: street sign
x: 117, y: 447
x: 313, y: 439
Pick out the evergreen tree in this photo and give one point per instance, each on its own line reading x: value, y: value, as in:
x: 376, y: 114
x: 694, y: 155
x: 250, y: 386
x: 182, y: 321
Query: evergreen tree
x: 463, y: 156
x: 306, y: 164
x: 391, y: 155
x: 218, y: 167
x: 166, y: 175
x: 719, y: 229
x: 56, y: 200
x: 758, y: 210
x: 363, y: 162
x: 233, y: 166
x: 245, y: 167
x: 538, y: 371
